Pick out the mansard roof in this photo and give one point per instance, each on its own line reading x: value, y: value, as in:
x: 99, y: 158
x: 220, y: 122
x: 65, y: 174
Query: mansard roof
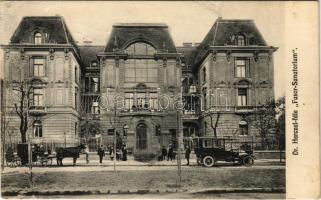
x: 124, y: 34
x: 54, y: 26
x: 223, y: 33
x: 189, y: 53
x: 89, y: 53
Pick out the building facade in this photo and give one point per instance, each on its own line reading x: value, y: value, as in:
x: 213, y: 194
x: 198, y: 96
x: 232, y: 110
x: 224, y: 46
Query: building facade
x: 134, y: 85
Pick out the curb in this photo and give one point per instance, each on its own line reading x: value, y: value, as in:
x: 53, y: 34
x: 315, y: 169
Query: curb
x: 240, y: 190
x: 143, y: 191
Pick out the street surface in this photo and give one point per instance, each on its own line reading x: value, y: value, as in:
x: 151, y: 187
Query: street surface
x: 103, y: 178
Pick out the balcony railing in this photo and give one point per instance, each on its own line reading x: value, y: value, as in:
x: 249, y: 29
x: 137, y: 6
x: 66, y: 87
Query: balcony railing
x: 189, y: 114
x: 246, y: 108
x: 37, y: 110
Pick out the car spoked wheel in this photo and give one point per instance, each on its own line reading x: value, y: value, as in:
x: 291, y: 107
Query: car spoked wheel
x: 248, y: 161
x: 208, y: 161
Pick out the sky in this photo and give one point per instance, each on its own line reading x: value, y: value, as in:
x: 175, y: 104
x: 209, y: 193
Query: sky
x: 187, y: 21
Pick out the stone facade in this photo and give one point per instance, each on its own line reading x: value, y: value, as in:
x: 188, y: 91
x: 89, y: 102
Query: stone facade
x: 229, y: 74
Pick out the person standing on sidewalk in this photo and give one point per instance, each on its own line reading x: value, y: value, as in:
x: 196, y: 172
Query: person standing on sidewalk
x: 187, y: 154
x: 101, y: 153
x: 87, y: 153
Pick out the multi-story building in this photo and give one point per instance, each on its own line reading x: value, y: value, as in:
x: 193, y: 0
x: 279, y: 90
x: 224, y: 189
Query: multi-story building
x: 220, y: 80
x: 43, y: 56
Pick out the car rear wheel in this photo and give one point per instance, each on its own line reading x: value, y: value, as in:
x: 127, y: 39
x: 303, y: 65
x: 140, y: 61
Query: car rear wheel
x: 248, y: 161
x: 208, y: 161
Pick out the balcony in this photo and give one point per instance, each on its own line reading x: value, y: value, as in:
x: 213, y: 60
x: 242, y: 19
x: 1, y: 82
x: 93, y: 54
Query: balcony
x: 189, y: 114
x: 244, y: 109
x: 37, y: 110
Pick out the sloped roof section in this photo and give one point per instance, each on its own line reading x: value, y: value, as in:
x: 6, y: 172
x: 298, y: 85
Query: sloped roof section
x: 54, y: 26
x: 89, y: 53
x: 189, y: 54
x: 223, y: 30
x: 124, y: 34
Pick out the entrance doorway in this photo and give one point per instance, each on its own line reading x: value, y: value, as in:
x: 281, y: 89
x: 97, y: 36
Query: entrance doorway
x: 141, y: 136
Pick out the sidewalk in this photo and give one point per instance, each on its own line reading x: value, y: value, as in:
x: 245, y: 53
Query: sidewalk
x: 94, y: 161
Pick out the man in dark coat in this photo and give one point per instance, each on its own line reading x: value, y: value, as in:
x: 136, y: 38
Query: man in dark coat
x: 164, y: 153
x: 101, y: 153
x: 187, y: 153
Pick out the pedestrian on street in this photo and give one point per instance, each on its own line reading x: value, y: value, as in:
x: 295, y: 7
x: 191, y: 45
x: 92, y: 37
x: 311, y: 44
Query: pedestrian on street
x: 187, y: 154
x: 111, y: 152
x: 124, y: 151
x: 170, y: 153
x: 87, y: 153
x: 101, y: 153
x: 164, y: 153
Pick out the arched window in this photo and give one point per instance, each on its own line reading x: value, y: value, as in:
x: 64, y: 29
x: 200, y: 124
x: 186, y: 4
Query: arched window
x: 37, y: 128
x: 141, y: 136
x: 140, y: 48
x: 240, y: 40
x: 38, y: 38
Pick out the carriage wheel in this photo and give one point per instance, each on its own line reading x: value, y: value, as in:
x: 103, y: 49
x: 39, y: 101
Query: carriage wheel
x: 18, y: 163
x: 209, y: 161
x: 248, y: 161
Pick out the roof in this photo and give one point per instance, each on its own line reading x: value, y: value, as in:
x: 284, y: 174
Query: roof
x: 189, y: 54
x: 126, y: 33
x: 89, y: 53
x: 222, y: 31
x: 54, y: 26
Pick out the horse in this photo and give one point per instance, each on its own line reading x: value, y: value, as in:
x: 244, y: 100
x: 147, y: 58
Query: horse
x: 71, y: 152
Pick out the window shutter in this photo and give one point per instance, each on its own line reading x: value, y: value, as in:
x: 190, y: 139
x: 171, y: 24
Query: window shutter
x: 26, y: 67
x: 31, y: 67
x: 45, y: 65
x: 234, y: 68
x: 248, y: 67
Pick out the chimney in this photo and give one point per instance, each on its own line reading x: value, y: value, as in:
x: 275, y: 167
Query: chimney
x: 87, y: 42
x: 187, y: 44
x: 196, y: 44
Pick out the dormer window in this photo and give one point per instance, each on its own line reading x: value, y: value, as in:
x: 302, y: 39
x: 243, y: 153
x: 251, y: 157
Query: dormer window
x: 240, y: 40
x: 38, y: 38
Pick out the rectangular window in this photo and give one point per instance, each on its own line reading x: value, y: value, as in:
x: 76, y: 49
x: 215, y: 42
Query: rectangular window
x: 38, y: 97
x: 76, y: 128
x: 242, y: 97
x: 204, y: 74
x: 141, y: 70
x: 207, y: 143
x: 95, y: 107
x: 76, y: 74
x: 240, y: 68
x: 110, y: 131
x: 94, y: 84
x: 38, y: 67
x: 76, y: 99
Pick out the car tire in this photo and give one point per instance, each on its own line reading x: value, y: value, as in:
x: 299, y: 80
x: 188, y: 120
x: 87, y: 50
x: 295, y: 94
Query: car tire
x: 209, y: 161
x: 248, y: 161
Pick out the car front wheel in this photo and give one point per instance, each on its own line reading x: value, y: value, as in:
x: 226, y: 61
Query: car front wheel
x: 208, y: 161
x: 248, y: 161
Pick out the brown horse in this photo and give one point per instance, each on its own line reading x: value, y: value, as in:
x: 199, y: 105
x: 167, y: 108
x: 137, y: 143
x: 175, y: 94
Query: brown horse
x: 69, y: 152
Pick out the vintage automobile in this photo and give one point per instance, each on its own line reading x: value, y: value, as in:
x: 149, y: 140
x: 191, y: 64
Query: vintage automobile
x: 208, y: 150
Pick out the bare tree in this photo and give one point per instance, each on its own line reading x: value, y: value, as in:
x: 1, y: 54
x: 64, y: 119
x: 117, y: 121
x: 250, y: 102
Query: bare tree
x: 23, y: 92
x: 214, y: 125
x: 264, y: 118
